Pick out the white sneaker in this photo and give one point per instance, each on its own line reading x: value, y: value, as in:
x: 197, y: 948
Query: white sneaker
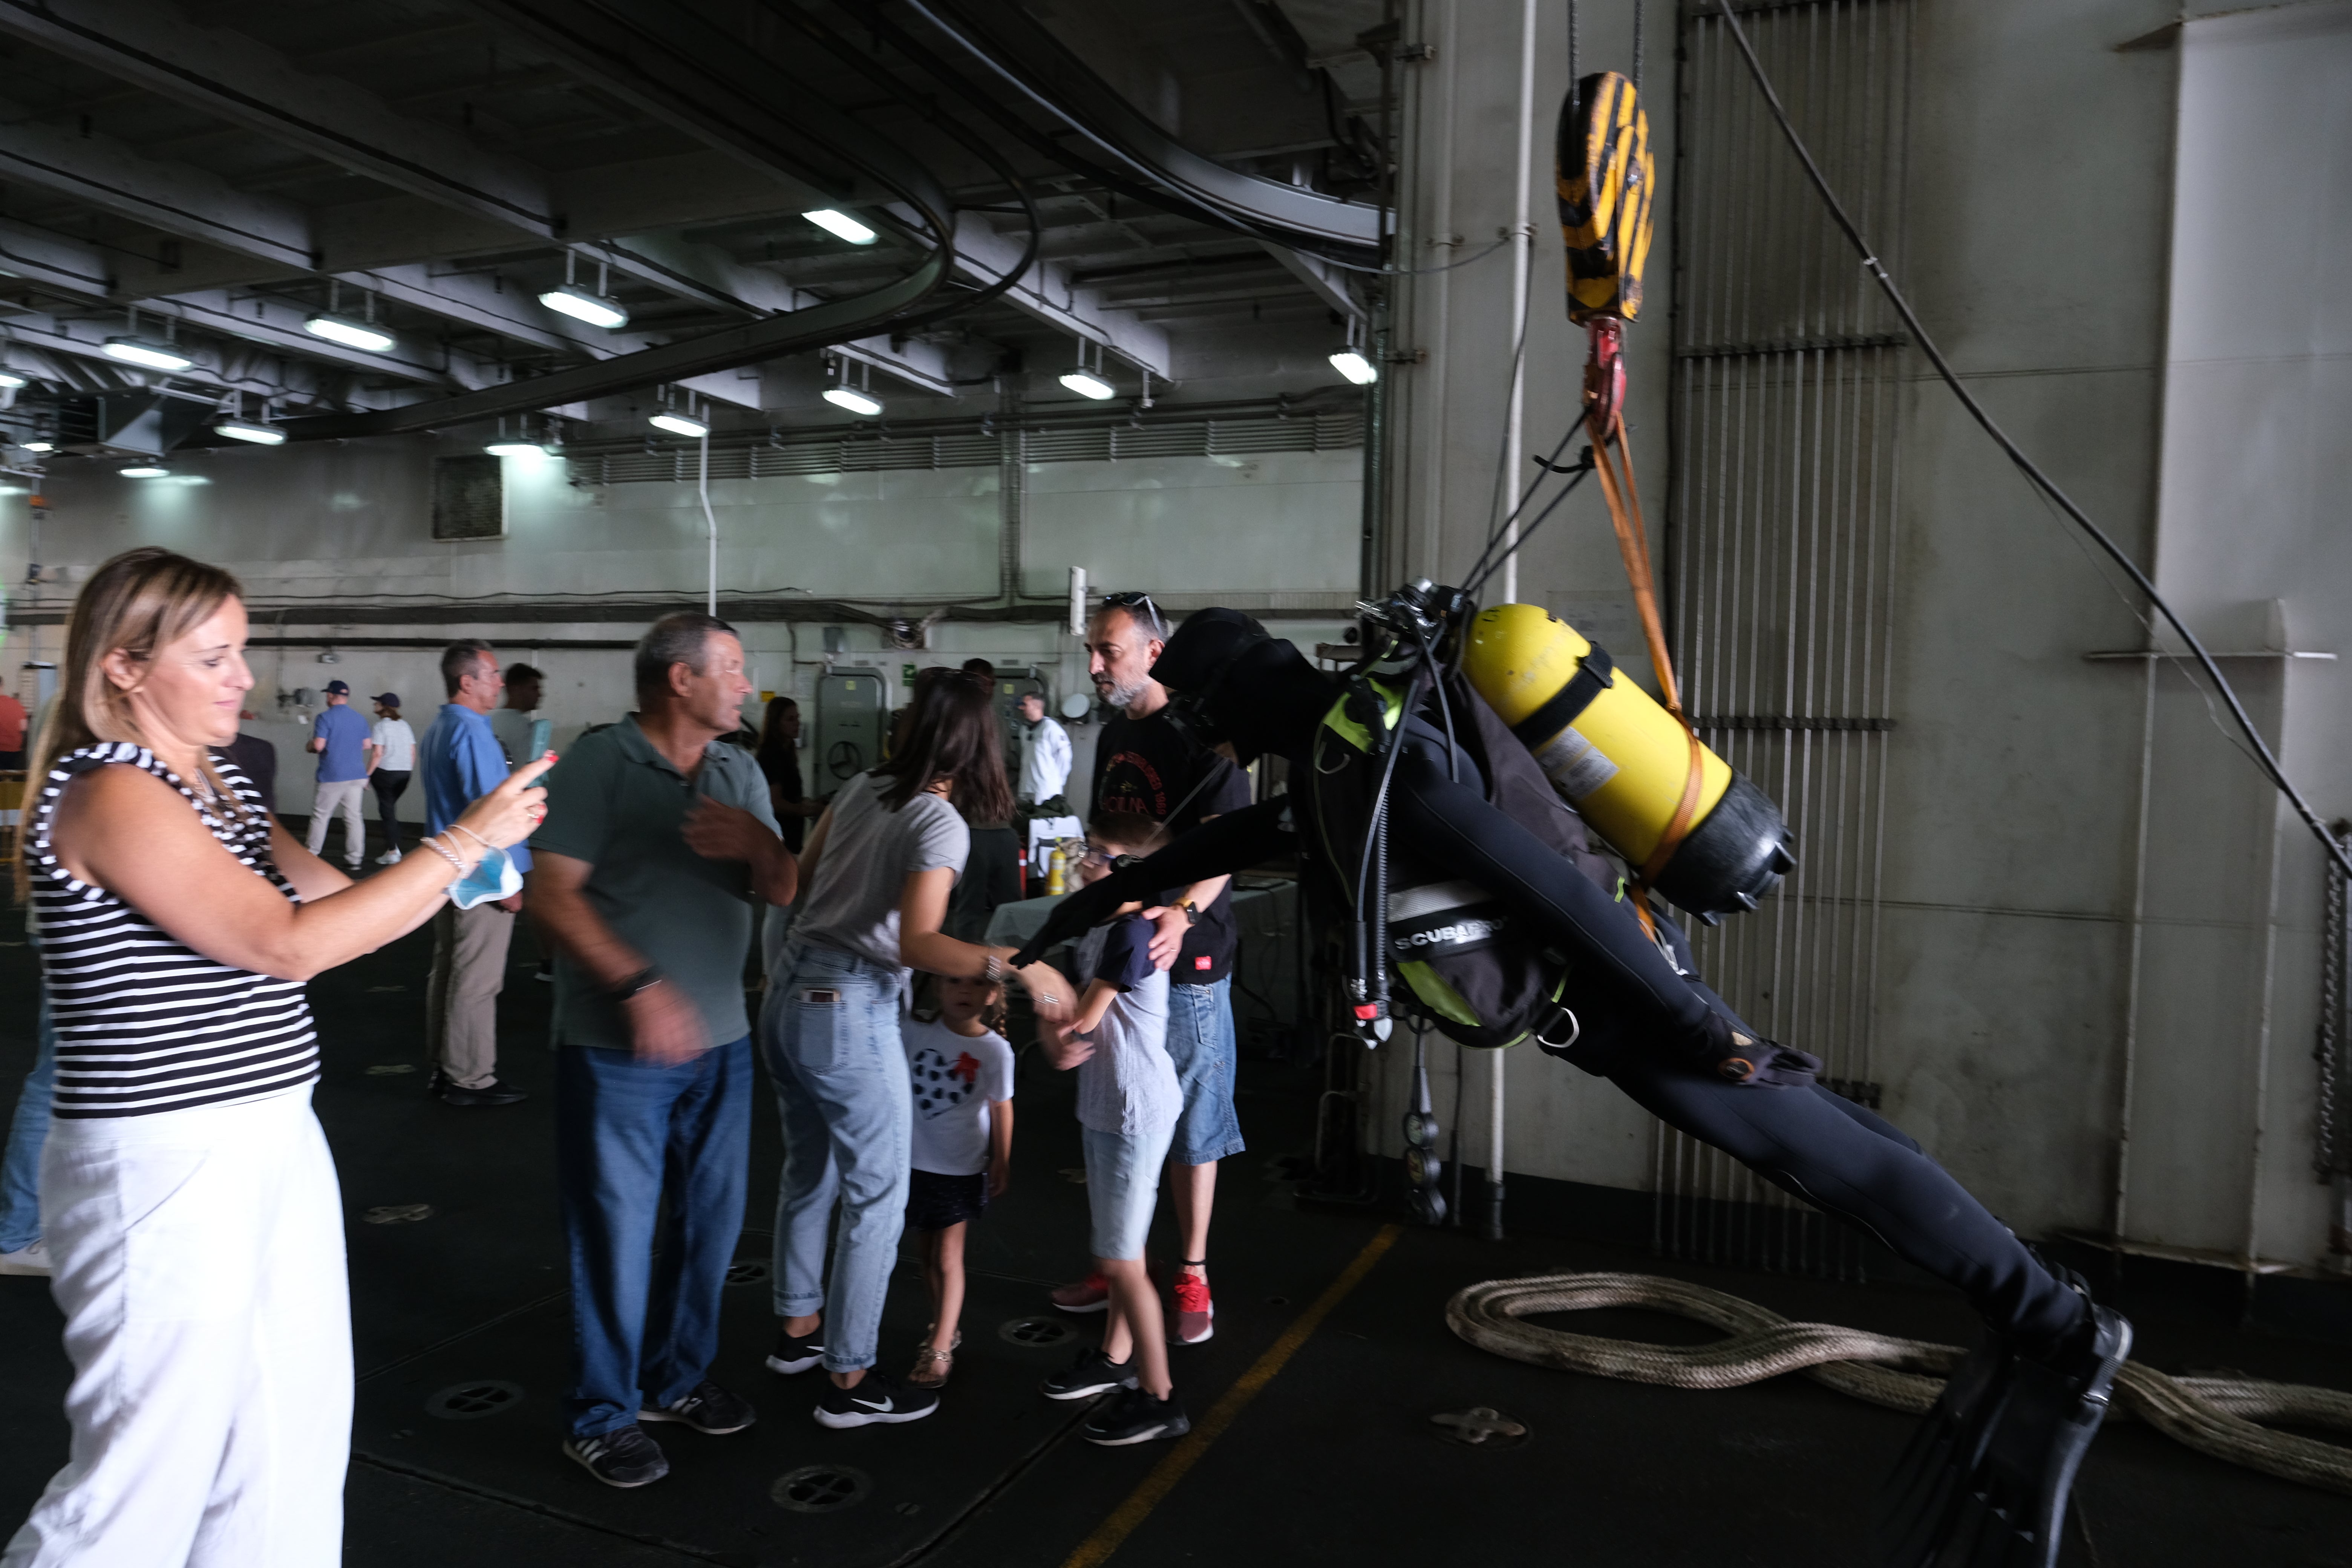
x: 389, y: 858
x: 31, y: 1258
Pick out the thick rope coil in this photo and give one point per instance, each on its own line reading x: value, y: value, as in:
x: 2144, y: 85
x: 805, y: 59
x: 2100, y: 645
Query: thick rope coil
x: 2219, y: 1416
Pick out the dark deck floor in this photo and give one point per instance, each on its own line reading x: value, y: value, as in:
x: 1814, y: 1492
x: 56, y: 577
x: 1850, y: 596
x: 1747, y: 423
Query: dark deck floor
x: 1333, y: 1461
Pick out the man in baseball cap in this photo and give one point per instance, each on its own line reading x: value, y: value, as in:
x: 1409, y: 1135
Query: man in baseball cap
x: 341, y: 738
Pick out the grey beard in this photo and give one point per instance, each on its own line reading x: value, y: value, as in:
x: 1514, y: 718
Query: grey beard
x: 1124, y: 695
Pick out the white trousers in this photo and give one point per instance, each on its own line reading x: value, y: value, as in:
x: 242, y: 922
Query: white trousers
x: 346, y: 797
x: 199, y: 1259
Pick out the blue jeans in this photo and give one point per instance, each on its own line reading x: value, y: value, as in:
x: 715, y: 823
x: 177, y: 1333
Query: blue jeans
x: 1201, y: 1042
x: 829, y: 1033
x: 636, y: 1143
x: 20, y: 1170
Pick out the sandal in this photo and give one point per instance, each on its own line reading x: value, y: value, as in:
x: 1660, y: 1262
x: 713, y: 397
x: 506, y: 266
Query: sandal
x: 932, y: 1366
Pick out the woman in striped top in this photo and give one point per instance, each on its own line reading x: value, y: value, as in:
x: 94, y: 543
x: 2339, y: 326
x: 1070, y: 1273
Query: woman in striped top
x: 187, y: 1196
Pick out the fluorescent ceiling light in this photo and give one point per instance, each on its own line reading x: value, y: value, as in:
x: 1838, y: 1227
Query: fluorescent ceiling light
x: 516, y: 449
x: 849, y: 397
x: 350, y: 333
x: 1355, y: 367
x: 679, y: 425
x: 841, y: 224
x: 581, y: 305
x: 154, y: 356
x: 1087, y: 384
x: 145, y: 471
x: 10, y: 378
x: 246, y: 430
x: 37, y: 444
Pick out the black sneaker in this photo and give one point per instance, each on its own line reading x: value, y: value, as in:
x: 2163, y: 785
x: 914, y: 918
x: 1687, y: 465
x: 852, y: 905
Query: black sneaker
x: 492, y: 1093
x: 796, y: 1352
x: 1093, y: 1373
x: 624, y: 1457
x: 878, y: 1399
x: 706, y: 1408
x: 1134, y: 1416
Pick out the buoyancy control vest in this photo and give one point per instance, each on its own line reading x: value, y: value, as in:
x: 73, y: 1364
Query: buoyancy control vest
x: 1480, y: 972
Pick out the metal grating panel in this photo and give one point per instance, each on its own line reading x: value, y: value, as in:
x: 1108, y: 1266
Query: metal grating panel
x: 873, y: 451
x: 1780, y: 551
x: 469, y: 498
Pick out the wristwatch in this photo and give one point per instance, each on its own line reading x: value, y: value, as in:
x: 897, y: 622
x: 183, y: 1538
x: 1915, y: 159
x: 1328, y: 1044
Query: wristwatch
x: 1192, y: 911
x: 643, y: 980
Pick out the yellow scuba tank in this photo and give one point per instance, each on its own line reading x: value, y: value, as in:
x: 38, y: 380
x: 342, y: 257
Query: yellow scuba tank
x: 1622, y: 761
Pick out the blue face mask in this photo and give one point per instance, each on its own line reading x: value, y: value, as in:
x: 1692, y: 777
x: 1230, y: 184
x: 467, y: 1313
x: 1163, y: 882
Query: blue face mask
x: 493, y: 877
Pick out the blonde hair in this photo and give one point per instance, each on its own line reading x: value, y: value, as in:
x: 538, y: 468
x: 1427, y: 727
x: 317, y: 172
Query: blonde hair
x: 138, y: 602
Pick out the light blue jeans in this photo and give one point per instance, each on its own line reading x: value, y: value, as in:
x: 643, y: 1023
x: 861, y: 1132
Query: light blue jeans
x: 1122, y: 1186
x: 20, y: 1169
x: 829, y: 1033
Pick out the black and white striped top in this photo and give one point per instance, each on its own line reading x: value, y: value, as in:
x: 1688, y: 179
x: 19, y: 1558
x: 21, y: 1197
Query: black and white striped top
x: 145, y: 1024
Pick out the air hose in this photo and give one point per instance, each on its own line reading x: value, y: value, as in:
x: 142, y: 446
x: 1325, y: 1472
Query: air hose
x: 2221, y: 1417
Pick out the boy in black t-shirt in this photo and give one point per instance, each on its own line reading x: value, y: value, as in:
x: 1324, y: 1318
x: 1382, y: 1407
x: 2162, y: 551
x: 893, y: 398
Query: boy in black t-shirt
x: 1148, y: 767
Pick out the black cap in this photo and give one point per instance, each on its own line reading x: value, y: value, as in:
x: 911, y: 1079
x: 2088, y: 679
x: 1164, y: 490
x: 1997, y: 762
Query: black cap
x: 387, y: 699
x: 338, y: 689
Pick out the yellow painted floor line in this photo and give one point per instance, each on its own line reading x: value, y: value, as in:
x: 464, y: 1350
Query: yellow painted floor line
x: 1097, y: 1548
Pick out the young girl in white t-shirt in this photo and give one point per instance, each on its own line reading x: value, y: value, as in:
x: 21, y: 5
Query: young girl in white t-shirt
x: 962, y: 1070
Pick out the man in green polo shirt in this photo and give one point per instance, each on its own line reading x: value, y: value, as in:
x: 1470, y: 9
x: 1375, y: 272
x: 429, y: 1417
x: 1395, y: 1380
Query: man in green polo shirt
x: 646, y: 889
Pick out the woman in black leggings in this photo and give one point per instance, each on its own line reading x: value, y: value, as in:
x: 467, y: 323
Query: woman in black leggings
x: 392, y: 757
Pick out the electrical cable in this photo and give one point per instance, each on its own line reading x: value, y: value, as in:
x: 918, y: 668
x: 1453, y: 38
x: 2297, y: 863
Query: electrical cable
x: 2266, y: 760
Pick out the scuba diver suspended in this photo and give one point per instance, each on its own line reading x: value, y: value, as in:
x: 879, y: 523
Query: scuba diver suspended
x: 1431, y: 835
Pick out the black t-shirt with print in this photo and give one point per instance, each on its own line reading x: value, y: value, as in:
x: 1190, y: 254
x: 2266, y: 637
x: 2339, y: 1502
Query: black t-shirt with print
x: 1151, y: 768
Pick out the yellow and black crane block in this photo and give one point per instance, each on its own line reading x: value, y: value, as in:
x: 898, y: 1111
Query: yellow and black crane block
x: 1603, y: 165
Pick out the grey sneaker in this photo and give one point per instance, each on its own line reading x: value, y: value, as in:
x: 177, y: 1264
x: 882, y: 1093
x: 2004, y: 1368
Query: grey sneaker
x: 708, y: 1408
x: 624, y: 1457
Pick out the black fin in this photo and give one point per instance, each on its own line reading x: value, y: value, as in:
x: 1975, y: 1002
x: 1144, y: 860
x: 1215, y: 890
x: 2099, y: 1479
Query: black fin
x: 1999, y: 1499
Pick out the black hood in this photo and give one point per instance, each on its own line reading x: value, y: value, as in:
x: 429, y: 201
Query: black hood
x: 1229, y: 680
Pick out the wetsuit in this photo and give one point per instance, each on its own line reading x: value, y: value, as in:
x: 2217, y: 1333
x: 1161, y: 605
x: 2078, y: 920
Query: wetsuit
x: 1649, y: 1025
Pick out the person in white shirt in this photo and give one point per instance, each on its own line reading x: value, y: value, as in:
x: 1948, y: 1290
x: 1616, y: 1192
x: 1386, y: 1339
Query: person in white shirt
x: 513, y: 724
x: 962, y: 1070
x: 1044, y: 775
x: 1045, y: 759
x: 390, y: 759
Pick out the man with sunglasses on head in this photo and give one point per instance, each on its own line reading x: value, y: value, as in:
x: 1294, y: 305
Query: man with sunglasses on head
x: 1148, y: 765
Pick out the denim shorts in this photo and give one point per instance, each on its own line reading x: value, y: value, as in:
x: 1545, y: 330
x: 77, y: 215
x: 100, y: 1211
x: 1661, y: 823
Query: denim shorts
x: 1122, y: 1183
x: 1201, y: 1044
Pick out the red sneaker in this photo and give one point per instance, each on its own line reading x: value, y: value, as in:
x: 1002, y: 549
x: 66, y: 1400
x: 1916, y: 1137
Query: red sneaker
x: 1195, y: 1312
x: 1091, y: 1294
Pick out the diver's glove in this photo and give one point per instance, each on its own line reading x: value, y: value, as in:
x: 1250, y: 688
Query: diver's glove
x: 1735, y: 1055
x: 1082, y: 911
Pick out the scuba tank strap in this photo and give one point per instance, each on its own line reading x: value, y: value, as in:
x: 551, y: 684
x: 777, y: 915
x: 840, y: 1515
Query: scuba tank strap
x: 1595, y: 674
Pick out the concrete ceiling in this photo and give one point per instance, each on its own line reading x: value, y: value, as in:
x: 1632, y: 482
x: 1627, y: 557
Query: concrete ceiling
x: 227, y: 169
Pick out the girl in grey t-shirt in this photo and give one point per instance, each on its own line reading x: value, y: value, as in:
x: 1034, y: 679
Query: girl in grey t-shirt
x: 877, y: 871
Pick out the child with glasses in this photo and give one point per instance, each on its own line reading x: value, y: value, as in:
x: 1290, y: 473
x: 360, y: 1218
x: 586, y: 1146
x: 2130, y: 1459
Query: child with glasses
x: 1127, y: 1103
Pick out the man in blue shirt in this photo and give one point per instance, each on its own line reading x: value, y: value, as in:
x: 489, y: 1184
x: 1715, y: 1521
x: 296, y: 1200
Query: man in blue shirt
x: 340, y: 737
x: 460, y: 762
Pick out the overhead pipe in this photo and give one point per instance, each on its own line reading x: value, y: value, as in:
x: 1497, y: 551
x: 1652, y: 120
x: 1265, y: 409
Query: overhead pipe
x: 1014, y: 50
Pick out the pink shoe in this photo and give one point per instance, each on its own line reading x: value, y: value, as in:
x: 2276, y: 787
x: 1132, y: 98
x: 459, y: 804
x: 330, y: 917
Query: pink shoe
x: 1091, y: 1294
x: 1195, y: 1312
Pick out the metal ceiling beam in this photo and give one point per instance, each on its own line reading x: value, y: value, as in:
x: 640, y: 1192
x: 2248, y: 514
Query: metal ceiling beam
x: 239, y: 368
x: 178, y: 198
x: 1046, y: 294
x: 474, y: 299
x: 242, y: 81
x: 53, y: 261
